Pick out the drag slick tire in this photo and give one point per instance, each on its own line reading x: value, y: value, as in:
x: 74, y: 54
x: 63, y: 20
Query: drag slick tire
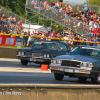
x: 96, y: 79
x: 58, y: 76
x: 82, y: 79
x: 24, y: 62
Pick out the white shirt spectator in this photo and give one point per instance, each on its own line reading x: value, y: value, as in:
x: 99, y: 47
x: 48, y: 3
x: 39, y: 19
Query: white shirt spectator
x: 95, y: 26
x: 90, y: 23
x: 66, y: 37
x: 57, y: 4
x: 31, y: 38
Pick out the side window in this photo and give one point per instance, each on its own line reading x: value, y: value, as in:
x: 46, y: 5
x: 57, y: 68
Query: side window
x: 62, y: 47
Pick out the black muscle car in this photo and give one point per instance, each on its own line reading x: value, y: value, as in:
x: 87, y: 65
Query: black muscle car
x: 41, y: 52
x: 83, y: 62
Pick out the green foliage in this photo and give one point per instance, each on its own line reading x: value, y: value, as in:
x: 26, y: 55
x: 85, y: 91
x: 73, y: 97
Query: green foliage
x: 94, y: 2
x: 17, y: 6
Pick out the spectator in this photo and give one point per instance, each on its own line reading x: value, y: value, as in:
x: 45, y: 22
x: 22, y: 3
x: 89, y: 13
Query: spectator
x: 77, y: 42
x: 34, y: 2
x: 46, y: 4
x: 5, y: 29
x: 95, y: 40
x: 49, y: 30
x: 9, y: 22
x: 87, y: 39
x: 10, y: 18
x: 0, y: 12
x: 14, y: 20
x: 61, y: 3
x: 25, y: 38
x: 58, y: 35
x: 79, y: 9
x: 3, y: 16
x: 85, y: 7
x: 1, y: 26
x: 53, y: 4
x: 30, y: 39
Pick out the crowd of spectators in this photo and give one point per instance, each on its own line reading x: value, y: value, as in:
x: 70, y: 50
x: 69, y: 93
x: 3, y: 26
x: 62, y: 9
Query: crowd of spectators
x: 10, y: 25
x: 88, y: 22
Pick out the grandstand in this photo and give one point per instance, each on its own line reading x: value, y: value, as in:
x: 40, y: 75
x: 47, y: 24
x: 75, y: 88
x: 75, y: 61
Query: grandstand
x: 70, y: 24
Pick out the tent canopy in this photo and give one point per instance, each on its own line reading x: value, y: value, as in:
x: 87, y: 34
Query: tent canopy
x: 28, y: 27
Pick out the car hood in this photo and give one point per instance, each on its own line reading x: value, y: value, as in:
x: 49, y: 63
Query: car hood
x: 79, y: 58
x: 40, y: 48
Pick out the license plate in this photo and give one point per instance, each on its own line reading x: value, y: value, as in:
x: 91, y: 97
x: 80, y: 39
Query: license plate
x: 69, y: 70
x: 61, y: 69
x: 77, y: 71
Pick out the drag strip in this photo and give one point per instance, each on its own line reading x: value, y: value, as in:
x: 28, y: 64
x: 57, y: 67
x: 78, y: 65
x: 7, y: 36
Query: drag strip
x: 11, y: 71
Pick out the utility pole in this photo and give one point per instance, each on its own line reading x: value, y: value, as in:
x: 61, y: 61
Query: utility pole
x: 38, y: 19
x: 26, y: 16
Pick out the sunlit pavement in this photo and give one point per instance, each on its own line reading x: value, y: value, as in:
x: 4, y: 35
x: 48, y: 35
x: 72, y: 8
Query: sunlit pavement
x: 13, y: 65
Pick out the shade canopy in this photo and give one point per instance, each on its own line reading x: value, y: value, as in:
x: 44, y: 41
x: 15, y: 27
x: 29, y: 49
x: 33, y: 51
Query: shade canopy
x: 28, y: 27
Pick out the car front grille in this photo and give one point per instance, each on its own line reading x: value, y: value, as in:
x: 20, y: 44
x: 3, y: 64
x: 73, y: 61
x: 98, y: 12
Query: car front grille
x: 36, y: 54
x: 70, y: 63
x: 28, y: 53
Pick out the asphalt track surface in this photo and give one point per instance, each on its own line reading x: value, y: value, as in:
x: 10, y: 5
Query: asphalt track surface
x: 11, y: 71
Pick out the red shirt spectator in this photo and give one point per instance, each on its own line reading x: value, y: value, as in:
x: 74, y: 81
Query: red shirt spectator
x: 95, y: 31
x: 20, y: 22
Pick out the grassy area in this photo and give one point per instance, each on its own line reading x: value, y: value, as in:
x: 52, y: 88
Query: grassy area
x: 13, y: 47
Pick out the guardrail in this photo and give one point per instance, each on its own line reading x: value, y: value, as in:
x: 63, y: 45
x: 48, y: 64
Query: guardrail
x: 49, y: 92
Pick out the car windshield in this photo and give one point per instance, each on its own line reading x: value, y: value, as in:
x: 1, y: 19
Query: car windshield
x: 86, y: 51
x: 53, y: 46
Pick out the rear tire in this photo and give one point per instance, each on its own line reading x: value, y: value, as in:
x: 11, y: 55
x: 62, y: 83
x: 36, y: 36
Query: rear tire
x: 58, y: 76
x: 96, y: 79
x: 24, y: 62
x: 82, y: 79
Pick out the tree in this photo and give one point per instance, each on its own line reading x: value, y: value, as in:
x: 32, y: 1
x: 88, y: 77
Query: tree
x: 94, y: 2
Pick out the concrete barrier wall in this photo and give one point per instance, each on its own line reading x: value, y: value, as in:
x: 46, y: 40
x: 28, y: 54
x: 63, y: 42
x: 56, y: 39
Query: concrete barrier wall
x: 35, y: 93
x: 8, y: 53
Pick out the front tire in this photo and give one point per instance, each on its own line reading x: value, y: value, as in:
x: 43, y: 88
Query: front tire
x: 58, y: 76
x: 24, y: 62
x: 96, y: 79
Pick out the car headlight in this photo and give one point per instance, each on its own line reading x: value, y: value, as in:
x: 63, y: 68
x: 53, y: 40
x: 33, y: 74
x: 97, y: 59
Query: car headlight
x: 59, y: 61
x: 54, y: 61
x: 84, y: 64
x: 22, y: 53
x: 45, y: 55
x: 19, y: 53
x: 90, y: 65
x: 48, y: 55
